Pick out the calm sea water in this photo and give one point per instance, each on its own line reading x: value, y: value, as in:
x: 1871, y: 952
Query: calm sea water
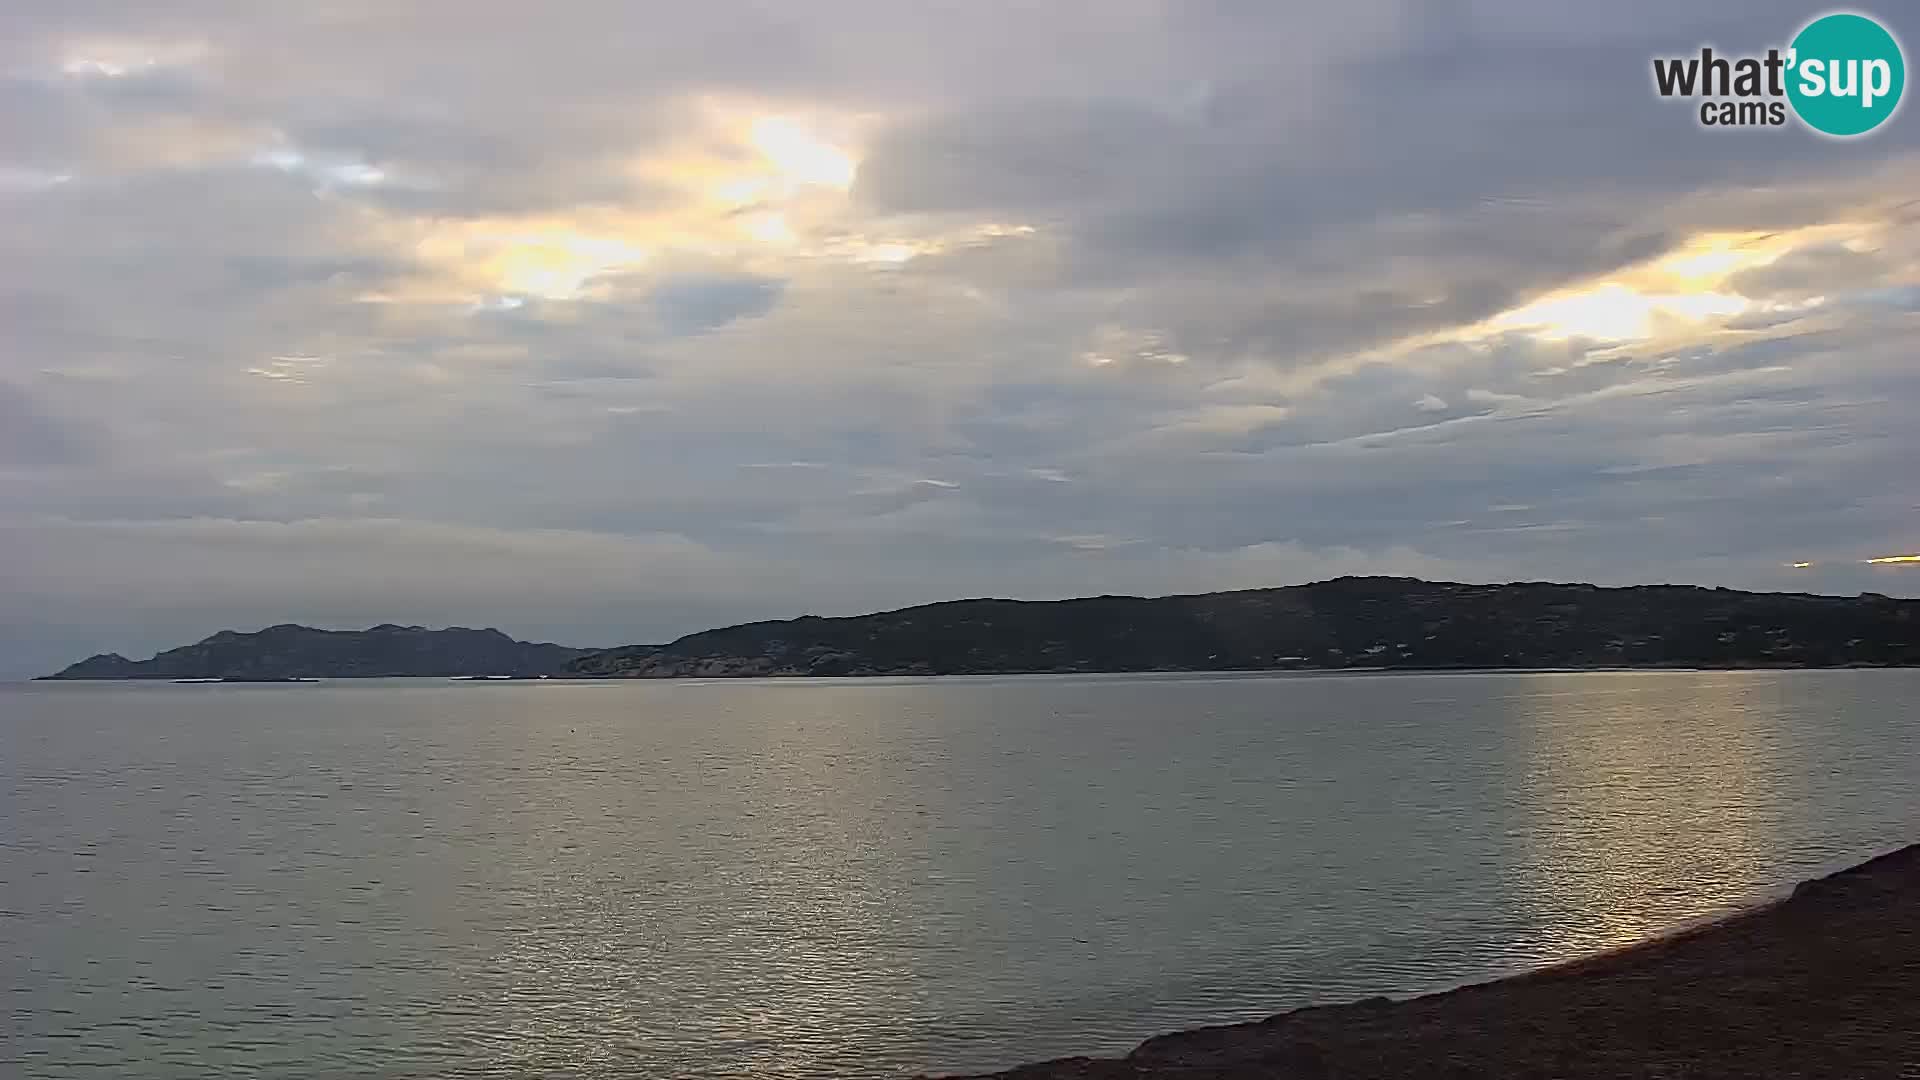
x: 869, y: 878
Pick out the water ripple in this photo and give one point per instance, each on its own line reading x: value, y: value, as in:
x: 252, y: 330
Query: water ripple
x: 869, y: 878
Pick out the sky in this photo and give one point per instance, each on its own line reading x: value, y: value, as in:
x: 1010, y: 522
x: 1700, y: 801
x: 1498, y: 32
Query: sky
x: 603, y: 322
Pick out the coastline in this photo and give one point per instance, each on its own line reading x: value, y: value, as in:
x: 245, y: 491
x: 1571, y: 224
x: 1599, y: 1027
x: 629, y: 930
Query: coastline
x: 1247, y: 673
x: 1354, y: 669
x: 1824, y: 982
x: 795, y: 676
x: 1347, y: 624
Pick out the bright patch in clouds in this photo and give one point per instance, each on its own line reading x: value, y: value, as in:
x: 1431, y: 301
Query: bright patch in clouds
x: 325, y: 174
x: 771, y: 229
x: 1613, y: 312
x: 743, y: 154
x: 556, y: 264
x: 749, y: 186
x: 1683, y: 292
x: 293, y: 370
x: 799, y: 156
x: 13, y: 178
x: 121, y: 59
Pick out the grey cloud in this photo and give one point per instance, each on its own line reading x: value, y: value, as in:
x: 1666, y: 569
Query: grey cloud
x: 446, y: 160
x: 1044, y: 158
x: 698, y: 303
x: 30, y: 435
x: 1427, y: 156
x: 196, y: 387
x: 1819, y: 271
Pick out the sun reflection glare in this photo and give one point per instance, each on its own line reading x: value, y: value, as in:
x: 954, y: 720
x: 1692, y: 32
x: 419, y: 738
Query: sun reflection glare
x: 1609, y: 778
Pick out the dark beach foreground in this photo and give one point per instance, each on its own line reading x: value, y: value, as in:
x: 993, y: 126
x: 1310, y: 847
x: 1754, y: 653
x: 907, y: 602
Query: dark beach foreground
x: 1824, y: 984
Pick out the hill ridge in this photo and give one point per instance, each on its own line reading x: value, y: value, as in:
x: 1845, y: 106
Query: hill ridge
x: 1346, y: 622
x: 291, y: 650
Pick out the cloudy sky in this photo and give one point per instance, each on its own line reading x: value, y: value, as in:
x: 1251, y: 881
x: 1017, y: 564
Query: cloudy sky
x: 604, y: 322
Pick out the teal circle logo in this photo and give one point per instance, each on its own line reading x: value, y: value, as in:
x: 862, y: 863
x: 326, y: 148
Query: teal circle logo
x: 1845, y: 76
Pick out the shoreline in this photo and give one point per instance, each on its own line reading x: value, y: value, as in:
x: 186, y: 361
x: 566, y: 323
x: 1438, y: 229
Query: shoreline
x: 808, y: 677
x: 1353, y: 670
x: 1822, y: 982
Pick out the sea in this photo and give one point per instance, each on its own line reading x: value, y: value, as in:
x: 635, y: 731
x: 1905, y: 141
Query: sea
x: 871, y: 877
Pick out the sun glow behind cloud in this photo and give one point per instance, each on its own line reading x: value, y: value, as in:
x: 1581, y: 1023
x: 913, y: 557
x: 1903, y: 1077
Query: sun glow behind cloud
x: 555, y: 263
x: 798, y: 155
x: 746, y: 184
x: 1613, y: 312
x: 751, y: 185
x: 1683, y: 293
x: 1695, y: 294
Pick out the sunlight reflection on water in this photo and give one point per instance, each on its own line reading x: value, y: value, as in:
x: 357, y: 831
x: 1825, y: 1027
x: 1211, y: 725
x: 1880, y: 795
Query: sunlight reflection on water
x: 867, y: 878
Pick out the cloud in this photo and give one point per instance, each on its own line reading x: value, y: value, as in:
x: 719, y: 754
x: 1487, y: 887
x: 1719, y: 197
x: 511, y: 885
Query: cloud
x: 699, y: 303
x: 31, y: 436
x: 737, y: 313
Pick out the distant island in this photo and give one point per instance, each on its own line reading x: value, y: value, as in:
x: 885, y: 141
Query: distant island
x: 287, y: 652
x: 1351, y: 623
x: 1347, y: 623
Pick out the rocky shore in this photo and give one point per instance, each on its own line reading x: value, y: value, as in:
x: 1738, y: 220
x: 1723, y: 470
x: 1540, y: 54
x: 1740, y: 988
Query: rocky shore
x: 1823, y: 984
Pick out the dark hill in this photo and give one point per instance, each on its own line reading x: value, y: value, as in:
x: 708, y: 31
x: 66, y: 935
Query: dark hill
x: 1372, y: 622
x: 289, y: 651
